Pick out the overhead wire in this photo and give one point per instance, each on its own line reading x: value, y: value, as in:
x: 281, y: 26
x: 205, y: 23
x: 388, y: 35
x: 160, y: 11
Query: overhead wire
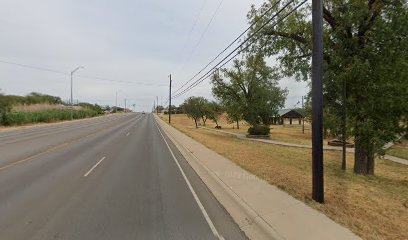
x: 80, y: 76
x: 204, y: 32
x: 229, y: 45
x: 192, y: 29
x: 210, y: 72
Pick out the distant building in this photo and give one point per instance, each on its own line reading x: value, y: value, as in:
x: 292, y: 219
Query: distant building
x: 290, y: 114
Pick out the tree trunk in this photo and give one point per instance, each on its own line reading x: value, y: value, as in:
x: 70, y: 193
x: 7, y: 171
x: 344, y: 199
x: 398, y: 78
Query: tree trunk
x: 195, y: 121
x: 364, y: 155
x: 216, y: 122
x: 237, y: 124
x: 204, y: 120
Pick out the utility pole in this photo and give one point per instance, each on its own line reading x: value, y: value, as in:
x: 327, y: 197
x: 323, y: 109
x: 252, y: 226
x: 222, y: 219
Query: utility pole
x: 170, y: 101
x: 317, y: 101
x: 72, y: 100
x: 303, y: 119
x: 125, y: 104
x: 157, y: 107
x: 344, y: 123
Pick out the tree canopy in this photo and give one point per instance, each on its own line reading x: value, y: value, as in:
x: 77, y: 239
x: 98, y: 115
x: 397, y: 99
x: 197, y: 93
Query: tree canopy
x: 194, y: 107
x: 251, y: 88
x: 365, y: 50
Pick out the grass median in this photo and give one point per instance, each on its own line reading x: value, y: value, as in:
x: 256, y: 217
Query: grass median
x: 373, y: 207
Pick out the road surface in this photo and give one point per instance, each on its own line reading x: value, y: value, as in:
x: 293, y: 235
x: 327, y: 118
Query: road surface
x: 113, y: 177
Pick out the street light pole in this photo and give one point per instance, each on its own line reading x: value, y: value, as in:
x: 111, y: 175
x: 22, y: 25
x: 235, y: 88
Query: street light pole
x: 157, y: 107
x: 170, y: 101
x: 317, y: 101
x: 72, y: 99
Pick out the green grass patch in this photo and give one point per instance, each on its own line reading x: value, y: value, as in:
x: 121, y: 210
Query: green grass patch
x: 398, y: 151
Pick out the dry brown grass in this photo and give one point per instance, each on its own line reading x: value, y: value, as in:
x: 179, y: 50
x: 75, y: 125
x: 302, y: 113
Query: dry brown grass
x: 35, y: 107
x: 284, y: 133
x: 372, y: 207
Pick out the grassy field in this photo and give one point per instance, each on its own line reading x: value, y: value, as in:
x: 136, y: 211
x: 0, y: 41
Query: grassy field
x: 372, y: 207
x: 399, y: 150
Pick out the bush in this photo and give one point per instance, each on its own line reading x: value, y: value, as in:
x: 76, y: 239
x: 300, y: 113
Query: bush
x: 259, y: 130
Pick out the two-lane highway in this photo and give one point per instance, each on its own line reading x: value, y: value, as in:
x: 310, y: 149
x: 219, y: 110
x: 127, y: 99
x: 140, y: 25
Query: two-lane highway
x: 114, y: 177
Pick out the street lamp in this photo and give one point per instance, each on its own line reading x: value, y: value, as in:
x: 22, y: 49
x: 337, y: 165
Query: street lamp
x: 72, y: 100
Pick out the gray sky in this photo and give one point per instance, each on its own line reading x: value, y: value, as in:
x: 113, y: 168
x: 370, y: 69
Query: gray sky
x: 139, y: 41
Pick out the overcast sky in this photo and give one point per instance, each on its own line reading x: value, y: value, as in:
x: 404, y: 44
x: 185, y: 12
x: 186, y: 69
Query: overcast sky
x: 139, y: 41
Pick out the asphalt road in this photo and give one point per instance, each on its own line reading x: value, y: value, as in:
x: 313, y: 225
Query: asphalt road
x: 112, y: 177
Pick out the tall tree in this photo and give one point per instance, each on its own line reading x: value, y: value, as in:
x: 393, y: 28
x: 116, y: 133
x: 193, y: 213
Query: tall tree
x: 365, y: 49
x: 251, y: 84
x: 194, y: 107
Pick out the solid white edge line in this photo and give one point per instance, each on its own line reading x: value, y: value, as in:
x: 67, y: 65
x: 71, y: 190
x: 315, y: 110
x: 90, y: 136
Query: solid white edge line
x: 200, y: 205
x: 94, y: 166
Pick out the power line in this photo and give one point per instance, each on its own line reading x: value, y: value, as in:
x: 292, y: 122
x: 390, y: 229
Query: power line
x: 191, y: 31
x: 80, y: 76
x: 239, y: 46
x: 205, y: 31
x: 207, y: 27
x: 34, y: 67
x: 209, y: 73
x: 118, y: 81
x: 229, y: 45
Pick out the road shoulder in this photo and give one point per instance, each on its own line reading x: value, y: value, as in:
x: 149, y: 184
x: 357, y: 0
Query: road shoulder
x: 261, y: 210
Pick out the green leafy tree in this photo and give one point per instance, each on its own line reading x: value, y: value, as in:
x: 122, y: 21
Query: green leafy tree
x: 365, y: 50
x: 253, y: 86
x: 205, y: 110
x: 214, y: 111
x: 180, y: 109
x: 90, y: 106
x: 194, y: 107
x: 35, y: 98
x: 233, y: 110
x: 159, y: 108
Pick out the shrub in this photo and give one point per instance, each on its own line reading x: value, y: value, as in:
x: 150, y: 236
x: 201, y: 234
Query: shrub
x: 259, y: 130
